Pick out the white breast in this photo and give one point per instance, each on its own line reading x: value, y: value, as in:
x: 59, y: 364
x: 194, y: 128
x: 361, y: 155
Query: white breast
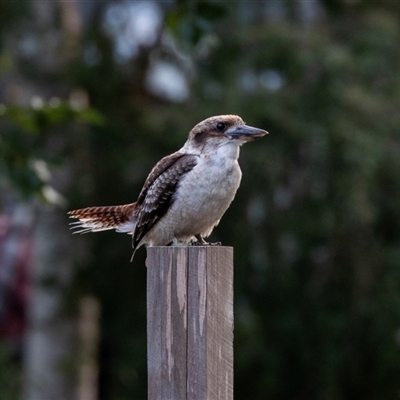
x: 201, y: 199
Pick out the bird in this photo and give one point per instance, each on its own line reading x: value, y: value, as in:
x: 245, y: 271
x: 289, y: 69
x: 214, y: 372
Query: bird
x: 186, y: 193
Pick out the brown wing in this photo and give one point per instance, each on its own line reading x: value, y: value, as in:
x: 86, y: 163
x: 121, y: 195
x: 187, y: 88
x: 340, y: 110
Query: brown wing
x: 161, y: 167
x: 158, y: 191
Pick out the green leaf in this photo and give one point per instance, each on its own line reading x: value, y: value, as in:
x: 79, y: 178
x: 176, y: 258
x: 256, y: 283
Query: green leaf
x: 90, y: 115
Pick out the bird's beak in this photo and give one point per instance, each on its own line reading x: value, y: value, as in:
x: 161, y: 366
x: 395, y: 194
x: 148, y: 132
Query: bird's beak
x: 245, y: 132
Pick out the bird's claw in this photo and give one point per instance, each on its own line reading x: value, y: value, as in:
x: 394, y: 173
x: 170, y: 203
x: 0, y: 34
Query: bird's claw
x: 201, y: 242
x: 204, y: 243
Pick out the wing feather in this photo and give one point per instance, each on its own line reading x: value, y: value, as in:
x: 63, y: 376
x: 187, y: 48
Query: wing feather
x: 157, y: 194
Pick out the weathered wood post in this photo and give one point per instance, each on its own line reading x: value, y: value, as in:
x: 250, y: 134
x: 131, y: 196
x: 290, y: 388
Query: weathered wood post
x: 190, y: 323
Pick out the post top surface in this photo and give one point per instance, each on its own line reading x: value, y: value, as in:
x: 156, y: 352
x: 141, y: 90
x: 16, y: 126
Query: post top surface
x: 189, y: 247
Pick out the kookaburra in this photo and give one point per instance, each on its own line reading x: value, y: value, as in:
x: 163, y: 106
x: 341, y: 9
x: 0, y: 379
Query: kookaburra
x: 185, y: 194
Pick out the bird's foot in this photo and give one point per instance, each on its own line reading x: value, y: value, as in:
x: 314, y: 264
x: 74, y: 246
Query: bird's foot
x: 176, y: 242
x: 197, y: 243
x: 202, y: 242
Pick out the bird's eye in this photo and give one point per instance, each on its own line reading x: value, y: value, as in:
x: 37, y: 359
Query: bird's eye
x: 221, y: 126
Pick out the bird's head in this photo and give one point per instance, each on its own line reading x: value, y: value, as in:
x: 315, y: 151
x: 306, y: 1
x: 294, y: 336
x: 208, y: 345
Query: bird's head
x: 222, y: 129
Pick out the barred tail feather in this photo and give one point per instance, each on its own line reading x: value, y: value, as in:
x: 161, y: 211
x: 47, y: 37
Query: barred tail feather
x: 96, y: 219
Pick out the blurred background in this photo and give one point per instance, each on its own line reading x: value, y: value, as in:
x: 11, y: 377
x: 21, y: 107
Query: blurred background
x: 94, y: 93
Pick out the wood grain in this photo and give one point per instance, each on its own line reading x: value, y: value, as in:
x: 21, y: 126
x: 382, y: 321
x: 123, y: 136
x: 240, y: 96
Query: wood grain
x: 190, y: 323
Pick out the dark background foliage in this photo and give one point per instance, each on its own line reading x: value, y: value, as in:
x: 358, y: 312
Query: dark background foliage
x: 315, y: 224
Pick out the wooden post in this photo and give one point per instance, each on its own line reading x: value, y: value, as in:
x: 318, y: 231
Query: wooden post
x: 190, y: 323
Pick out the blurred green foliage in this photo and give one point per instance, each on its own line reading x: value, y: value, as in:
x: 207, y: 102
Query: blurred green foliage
x: 24, y: 134
x: 10, y: 375
x: 315, y: 224
x: 190, y: 21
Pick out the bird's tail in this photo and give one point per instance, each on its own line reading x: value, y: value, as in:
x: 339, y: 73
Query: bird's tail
x: 96, y: 219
